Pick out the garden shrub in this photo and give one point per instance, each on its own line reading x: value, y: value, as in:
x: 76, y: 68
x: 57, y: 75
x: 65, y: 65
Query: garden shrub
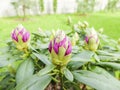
x: 81, y: 59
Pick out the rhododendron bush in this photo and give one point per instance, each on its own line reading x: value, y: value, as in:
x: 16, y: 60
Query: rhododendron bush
x: 79, y: 59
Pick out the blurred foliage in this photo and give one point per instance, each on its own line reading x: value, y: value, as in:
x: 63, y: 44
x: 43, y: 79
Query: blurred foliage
x: 54, y: 6
x: 15, y: 5
x: 85, y: 6
x: 25, y: 4
x: 41, y: 5
x: 112, y: 5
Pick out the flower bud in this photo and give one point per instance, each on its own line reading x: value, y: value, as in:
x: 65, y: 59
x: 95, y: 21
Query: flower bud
x: 75, y: 39
x: 91, y: 40
x: 100, y: 30
x: 75, y: 27
x: 83, y: 25
x: 119, y: 41
x: 52, y: 35
x: 60, y: 48
x: 86, y: 24
x: 69, y: 21
x: 20, y: 36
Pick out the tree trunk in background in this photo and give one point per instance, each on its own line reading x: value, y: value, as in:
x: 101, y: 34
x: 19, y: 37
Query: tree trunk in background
x: 24, y: 12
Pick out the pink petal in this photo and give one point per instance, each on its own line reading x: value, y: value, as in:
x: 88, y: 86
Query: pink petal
x: 69, y: 49
x: 86, y: 39
x: 50, y: 46
x: 56, y: 48
x: 25, y: 37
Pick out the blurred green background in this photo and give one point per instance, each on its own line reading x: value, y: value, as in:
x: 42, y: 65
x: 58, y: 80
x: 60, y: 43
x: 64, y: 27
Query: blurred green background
x: 108, y: 19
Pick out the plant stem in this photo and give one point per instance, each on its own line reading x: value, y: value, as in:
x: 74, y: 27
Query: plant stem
x: 61, y: 81
x: 59, y: 85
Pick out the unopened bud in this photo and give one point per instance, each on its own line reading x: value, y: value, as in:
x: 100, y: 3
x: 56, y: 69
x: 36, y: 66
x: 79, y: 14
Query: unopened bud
x: 69, y: 21
x: 86, y: 24
x: 119, y: 41
x: 91, y: 40
x: 100, y: 30
x: 75, y: 39
x: 21, y: 37
x: 60, y: 48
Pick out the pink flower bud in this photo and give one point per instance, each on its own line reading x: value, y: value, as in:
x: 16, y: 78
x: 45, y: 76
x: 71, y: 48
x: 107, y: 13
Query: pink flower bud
x: 59, y: 41
x: 20, y: 33
x: 20, y: 36
x: 60, y: 47
x: 91, y: 40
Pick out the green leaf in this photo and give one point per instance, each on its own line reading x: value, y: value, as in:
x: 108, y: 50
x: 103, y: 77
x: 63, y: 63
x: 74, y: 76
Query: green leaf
x: 39, y: 35
x: 25, y: 70
x: 42, y: 58
x: 106, y: 58
x: 32, y: 48
x: 80, y: 59
x: 110, y: 64
x: 5, y: 83
x: 5, y: 60
x: 41, y: 84
x: 96, y: 58
x: 84, y: 56
x: 75, y: 65
x: 75, y: 49
x: 113, y: 80
x: 35, y: 81
x: 101, y: 52
x: 107, y: 55
x: 44, y: 46
x: 46, y: 70
x: 97, y: 80
x: 68, y: 74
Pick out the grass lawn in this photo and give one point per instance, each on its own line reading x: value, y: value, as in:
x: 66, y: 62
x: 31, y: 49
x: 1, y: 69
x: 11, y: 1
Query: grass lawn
x: 109, y: 21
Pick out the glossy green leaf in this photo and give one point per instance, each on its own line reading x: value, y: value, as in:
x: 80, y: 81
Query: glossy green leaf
x: 97, y: 80
x: 41, y: 84
x: 101, y: 71
x: 44, y: 46
x: 5, y: 60
x: 80, y: 59
x: 42, y: 58
x: 96, y: 58
x: 110, y: 64
x: 75, y: 49
x: 75, y: 65
x: 68, y: 74
x: 84, y: 56
x: 25, y: 70
x: 107, y: 55
x: 46, y: 70
x: 103, y: 52
x: 34, y: 81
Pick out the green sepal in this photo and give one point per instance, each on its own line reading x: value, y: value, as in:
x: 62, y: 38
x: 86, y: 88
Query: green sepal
x: 66, y: 59
x: 21, y: 45
x: 53, y: 54
x: 92, y: 41
x: 20, y: 41
x: 56, y: 61
x: 93, y: 45
x: 61, y: 53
